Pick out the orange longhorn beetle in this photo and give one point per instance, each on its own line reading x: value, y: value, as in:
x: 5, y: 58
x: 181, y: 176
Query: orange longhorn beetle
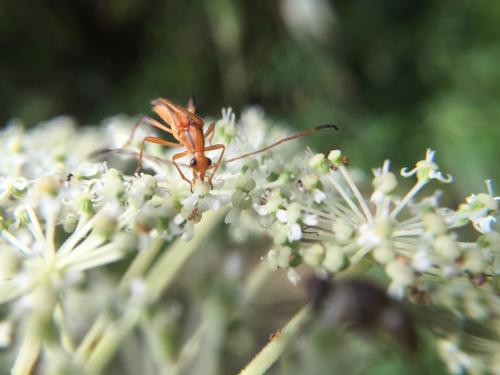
x: 187, y: 129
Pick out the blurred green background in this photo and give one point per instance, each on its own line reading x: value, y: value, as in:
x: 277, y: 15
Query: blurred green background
x: 397, y: 75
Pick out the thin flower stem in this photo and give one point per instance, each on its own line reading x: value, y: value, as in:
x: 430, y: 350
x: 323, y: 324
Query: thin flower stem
x: 65, y: 337
x: 141, y: 263
x: 15, y: 242
x: 408, y: 233
x: 77, y: 235
x: 253, y: 283
x: 29, y: 350
x: 35, y: 227
x: 50, y: 230
x: 157, y: 280
x: 136, y: 269
x: 408, y: 197
x: 278, y: 344
x: 357, y: 193
x: 284, y: 338
x: 346, y: 197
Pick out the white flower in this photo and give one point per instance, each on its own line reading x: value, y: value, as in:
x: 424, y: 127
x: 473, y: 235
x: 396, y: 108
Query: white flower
x: 427, y: 170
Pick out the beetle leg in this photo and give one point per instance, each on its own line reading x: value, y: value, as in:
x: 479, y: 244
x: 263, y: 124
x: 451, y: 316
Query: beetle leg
x: 209, y: 134
x: 150, y: 121
x: 156, y: 140
x: 178, y: 156
x: 216, y: 165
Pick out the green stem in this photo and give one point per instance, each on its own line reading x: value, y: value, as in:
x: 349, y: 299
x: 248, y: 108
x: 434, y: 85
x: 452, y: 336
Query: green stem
x: 29, y: 350
x: 136, y: 270
x: 272, y: 351
x: 157, y: 280
x: 280, y: 342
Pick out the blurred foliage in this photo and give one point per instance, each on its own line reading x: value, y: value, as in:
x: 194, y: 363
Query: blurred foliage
x: 398, y: 76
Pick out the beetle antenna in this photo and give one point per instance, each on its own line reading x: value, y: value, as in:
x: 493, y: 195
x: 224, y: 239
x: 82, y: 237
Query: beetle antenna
x: 286, y: 139
x: 191, y: 106
x: 120, y: 151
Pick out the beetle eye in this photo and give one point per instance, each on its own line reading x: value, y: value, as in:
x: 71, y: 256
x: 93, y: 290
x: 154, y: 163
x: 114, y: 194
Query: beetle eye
x: 209, y: 161
x: 192, y: 163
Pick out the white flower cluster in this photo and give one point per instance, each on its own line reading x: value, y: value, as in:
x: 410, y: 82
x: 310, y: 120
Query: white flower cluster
x: 326, y: 222
x: 62, y: 215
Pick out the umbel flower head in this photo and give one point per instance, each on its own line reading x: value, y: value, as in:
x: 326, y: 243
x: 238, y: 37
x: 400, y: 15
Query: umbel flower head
x: 65, y: 217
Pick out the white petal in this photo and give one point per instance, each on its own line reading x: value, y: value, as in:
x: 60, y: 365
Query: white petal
x: 261, y: 210
x: 232, y: 216
x: 319, y: 196
x: 178, y: 219
x: 294, y: 232
x: 293, y: 276
x: 188, y: 231
x: 310, y: 220
x: 281, y: 215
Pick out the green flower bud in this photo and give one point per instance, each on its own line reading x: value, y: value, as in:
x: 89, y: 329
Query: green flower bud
x: 249, y: 164
x: 105, y: 226
x: 337, y: 159
x: 86, y: 206
x: 21, y: 215
x: 384, y: 253
x: 70, y: 222
x: 446, y: 246
x: 313, y: 255
x: 311, y: 182
x: 319, y: 163
x: 343, y: 230
x: 335, y: 259
x: 400, y: 273
x: 474, y: 262
x: 280, y: 235
x: 241, y: 200
x: 434, y: 223
x: 284, y: 257
x: 46, y: 185
x: 245, y: 183
x: 272, y: 259
x: 386, y: 182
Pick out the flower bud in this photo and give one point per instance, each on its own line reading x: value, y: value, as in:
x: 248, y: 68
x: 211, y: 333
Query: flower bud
x: 21, y: 215
x: 70, y: 222
x: 46, y: 185
x: 434, y: 223
x: 343, y: 230
x: 201, y: 188
x: 245, y: 183
x: 105, y: 226
x: 337, y: 159
x: 313, y: 255
x: 250, y: 164
x: 384, y: 253
x: 310, y: 182
x: 335, y: 259
x: 319, y: 163
x: 284, y: 256
x: 446, y: 246
x: 241, y: 200
x: 385, y: 182
x: 86, y: 206
x: 272, y: 259
x: 400, y: 273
